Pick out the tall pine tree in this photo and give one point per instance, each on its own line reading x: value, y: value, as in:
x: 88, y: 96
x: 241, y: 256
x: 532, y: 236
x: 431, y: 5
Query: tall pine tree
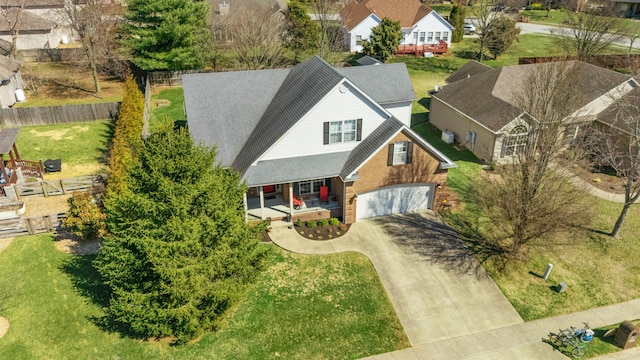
x: 180, y: 253
x: 167, y: 34
x: 456, y: 18
x: 384, y: 40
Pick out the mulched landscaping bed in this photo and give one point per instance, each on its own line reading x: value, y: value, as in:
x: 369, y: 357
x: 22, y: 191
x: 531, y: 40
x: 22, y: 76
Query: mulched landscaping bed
x: 327, y: 232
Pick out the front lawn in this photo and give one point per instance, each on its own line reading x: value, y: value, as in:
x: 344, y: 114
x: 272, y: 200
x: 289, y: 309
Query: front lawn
x: 172, y: 106
x: 303, y: 307
x: 82, y: 147
x: 597, y: 269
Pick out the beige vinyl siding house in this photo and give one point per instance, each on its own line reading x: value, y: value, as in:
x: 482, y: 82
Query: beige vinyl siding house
x: 479, y: 105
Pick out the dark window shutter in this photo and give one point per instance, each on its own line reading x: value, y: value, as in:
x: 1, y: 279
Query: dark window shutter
x: 359, y: 130
x: 390, y: 155
x: 326, y: 133
x: 409, y: 152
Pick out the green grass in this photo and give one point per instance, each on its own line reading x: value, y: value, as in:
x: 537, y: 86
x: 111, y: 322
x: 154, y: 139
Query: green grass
x: 173, y: 112
x: 303, y: 307
x: 82, y: 146
x: 558, y: 17
x: 598, y: 270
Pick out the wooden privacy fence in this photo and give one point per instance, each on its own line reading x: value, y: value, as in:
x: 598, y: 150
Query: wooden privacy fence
x: 46, y: 115
x: 57, y: 187
x: 32, y: 225
x: 171, y: 78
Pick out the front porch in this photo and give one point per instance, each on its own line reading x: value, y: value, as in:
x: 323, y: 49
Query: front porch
x: 276, y: 208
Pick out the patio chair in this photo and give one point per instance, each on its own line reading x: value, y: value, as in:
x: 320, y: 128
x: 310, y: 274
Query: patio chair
x: 297, y: 203
x: 324, y: 194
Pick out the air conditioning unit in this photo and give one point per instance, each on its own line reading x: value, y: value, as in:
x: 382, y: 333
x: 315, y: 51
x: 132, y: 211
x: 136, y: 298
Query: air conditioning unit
x: 448, y: 137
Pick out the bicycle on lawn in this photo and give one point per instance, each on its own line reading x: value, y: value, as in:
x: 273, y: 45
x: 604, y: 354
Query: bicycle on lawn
x: 572, y: 340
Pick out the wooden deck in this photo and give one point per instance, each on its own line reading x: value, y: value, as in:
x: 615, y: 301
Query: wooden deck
x: 420, y: 50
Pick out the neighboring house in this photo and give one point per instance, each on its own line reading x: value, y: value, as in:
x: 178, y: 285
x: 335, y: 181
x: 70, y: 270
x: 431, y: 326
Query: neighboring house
x: 291, y: 132
x: 10, y: 81
x: 479, y: 106
x: 420, y: 24
x: 629, y: 8
x: 35, y: 32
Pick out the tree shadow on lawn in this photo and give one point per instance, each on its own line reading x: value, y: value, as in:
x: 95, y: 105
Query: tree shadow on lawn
x: 88, y: 283
x: 107, y: 134
x: 462, y: 251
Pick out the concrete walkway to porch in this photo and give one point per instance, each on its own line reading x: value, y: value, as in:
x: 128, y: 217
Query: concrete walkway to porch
x: 447, y: 314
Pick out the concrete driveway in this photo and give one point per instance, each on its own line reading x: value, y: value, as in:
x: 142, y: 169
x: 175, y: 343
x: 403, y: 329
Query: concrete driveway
x: 436, y: 287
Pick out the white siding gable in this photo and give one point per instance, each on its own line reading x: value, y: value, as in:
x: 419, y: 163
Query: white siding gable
x: 364, y: 30
x: 429, y: 26
x: 401, y: 110
x: 344, y: 102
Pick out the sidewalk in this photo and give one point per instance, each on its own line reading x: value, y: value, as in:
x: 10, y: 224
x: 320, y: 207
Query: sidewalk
x: 510, y: 341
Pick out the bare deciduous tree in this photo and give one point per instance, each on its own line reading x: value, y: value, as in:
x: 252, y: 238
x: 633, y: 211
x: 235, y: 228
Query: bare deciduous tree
x: 331, y: 35
x: 94, y: 22
x: 529, y: 200
x: 484, y: 17
x: 257, y: 40
x: 590, y: 33
x: 12, y: 18
x: 615, y: 142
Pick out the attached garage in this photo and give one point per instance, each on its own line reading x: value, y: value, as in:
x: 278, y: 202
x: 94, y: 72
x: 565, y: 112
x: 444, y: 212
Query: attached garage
x: 395, y: 200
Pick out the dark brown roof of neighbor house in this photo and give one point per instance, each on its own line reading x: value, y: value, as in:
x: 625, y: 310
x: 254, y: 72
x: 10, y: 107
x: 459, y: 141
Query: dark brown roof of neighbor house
x: 408, y: 12
x: 490, y: 96
x: 624, y: 113
x: 29, y: 21
x: 8, y: 67
x: 468, y: 70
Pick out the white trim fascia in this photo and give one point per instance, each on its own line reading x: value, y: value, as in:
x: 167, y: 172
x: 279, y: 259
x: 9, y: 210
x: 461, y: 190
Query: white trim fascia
x: 442, y: 20
x: 607, y: 99
x: 463, y: 114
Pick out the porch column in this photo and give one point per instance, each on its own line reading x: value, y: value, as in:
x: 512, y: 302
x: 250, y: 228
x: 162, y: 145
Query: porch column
x: 246, y: 207
x: 291, y: 200
x: 261, y: 202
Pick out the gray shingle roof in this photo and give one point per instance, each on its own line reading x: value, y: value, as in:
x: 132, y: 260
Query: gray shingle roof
x: 244, y: 113
x: 384, y: 83
x: 8, y: 68
x: 489, y: 97
x: 28, y: 21
x: 224, y: 108
x: 296, y: 169
x: 303, y: 88
x: 368, y: 60
x: 371, y: 144
x: 624, y: 113
x: 7, y: 139
x: 467, y: 70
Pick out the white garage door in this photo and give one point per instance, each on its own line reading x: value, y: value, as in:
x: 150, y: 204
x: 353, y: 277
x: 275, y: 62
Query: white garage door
x: 394, y: 200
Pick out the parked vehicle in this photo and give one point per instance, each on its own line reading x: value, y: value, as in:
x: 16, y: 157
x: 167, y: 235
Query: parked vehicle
x: 469, y: 29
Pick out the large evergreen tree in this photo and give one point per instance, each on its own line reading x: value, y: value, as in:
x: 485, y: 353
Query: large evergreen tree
x: 302, y: 33
x: 180, y: 253
x: 384, y: 40
x: 456, y: 18
x: 166, y: 34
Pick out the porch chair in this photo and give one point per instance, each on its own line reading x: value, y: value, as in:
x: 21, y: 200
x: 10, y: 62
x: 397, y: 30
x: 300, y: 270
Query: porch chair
x: 297, y: 203
x: 324, y: 194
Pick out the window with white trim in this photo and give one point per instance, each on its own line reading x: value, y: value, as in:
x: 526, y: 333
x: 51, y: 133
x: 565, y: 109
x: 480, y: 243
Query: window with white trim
x: 516, y: 141
x: 430, y: 36
x: 400, y: 153
x: 311, y: 186
x: 358, y: 40
x: 422, y: 36
x: 438, y: 35
x: 342, y: 131
x: 445, y: 35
